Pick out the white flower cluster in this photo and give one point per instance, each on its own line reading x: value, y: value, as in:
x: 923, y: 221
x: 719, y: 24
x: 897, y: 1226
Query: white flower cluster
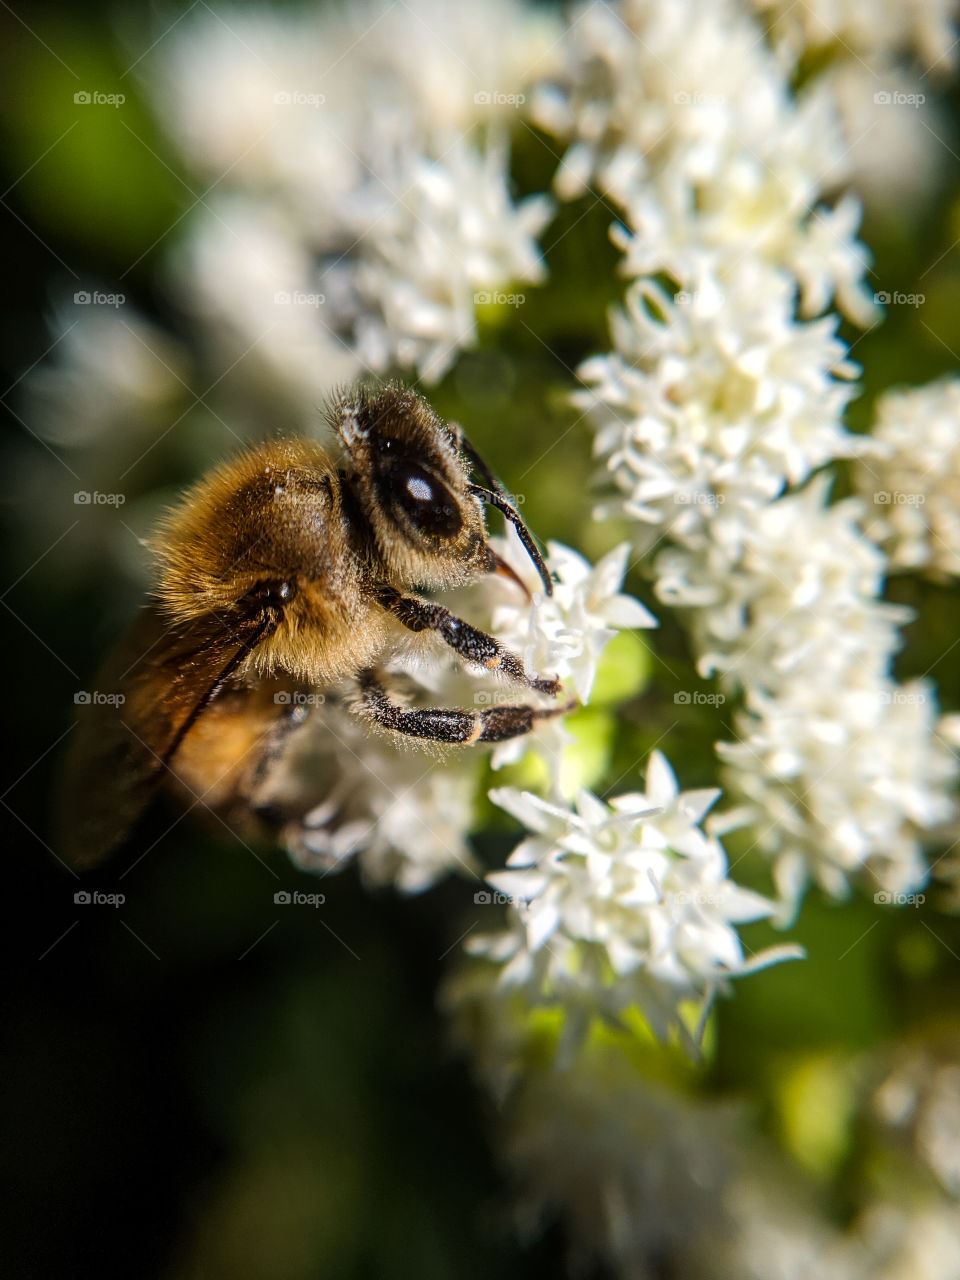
x: 913, y: 480
x: 642, y: 1170
x: 879, y: 61
x: 871, y: 30
x: 446, y: 238
x: 401, y: 814
x: 100, y: 402
x: 374, y: 218
x: 562, y: 635
x: 621, y: 905
x: 565, y: 633
x: 714, y: 399
x: 717, y: 401
x: 920, y: 1100
x: 682, y: 116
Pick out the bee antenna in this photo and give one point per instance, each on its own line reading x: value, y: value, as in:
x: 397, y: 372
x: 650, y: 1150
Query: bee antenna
x: 496, y: 499
x: 467, y: 448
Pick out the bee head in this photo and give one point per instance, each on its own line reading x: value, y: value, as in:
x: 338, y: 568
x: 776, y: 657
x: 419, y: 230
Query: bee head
x: 407, y: 477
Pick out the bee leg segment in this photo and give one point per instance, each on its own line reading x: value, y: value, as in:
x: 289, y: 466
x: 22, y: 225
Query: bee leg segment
x: 472, y: 644
x: 446, y: 724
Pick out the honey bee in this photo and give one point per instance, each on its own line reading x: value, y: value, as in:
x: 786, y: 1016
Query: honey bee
x: 284, y: 571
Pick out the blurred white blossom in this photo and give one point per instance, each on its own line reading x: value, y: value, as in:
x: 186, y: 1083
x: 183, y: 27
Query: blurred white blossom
x: 842, y: 779
x: 887, y: 113
x: 98, y: 405
x: 401, y: 813
x: 913, y: 481
x: 639, y: 1171
x: 919, y: 1099
x: 442, y: 239
x: 391, y: 203
x: 868, y: 30
x: 879, y: 63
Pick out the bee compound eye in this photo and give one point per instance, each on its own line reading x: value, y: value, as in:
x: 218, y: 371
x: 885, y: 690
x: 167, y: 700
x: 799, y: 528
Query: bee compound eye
x: 426, y: 500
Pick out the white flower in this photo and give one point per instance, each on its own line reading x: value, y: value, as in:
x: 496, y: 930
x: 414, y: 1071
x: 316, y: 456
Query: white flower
x: 842, y: 766
x: 788, y: 589
x: 714, y: 399
x: 224, y: 86
x: 830, y: 262
x: 244, y: 274
x: 867, y: 30
x: 370, y: 166
x: 401, y: 814
x: 111, y: 369
x: 621, y: 904
x: 443, y: 237
x: 101, y: 403
x: 842, y: 779
x: 880, y: 133
x: 920, y: 1098
x: 640, y: 1170
x: 404, y: 817
x: 907, y: 1240
x: 682, y: 115
x: 913, y: 485
x: 563, y: 635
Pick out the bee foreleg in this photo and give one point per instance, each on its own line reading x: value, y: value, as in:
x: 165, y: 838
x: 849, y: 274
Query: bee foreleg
x: 448, y: 724
x: 472, y: 644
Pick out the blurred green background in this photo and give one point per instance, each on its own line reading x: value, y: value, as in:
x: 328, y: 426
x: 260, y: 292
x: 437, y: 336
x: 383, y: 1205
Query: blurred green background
x: 196, y: 1088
